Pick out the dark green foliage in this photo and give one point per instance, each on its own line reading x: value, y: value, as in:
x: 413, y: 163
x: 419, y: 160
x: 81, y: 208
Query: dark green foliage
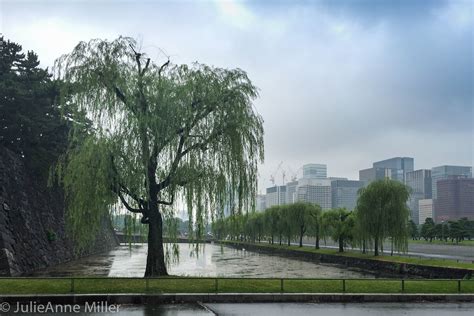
x: 315, y: 224
x: 428, y: 229
x: 271, y: 220
x: 339, y: 224
x: 302, y: 216
x: 31, y: 124
x: 413, y: 230
x: 450, y: 231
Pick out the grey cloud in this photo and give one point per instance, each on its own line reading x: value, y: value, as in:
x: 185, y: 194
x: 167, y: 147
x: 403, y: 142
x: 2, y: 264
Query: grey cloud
x: 341, y: 82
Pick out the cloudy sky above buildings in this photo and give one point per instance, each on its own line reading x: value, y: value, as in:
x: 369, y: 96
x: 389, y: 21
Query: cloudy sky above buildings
x: 344, y: 83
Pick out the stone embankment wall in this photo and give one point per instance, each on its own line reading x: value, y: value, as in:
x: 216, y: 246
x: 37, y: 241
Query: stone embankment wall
x: 384, y: 267
x: 32, y: 223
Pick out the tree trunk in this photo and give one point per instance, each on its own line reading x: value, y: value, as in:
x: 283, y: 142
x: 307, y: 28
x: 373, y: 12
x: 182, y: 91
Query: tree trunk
x: 317, y: 242
x: 288, y: 240
x: 341, y: 245
x: 155, y: 261
x: 281, y: 237
x: 272, y: 239
x: 301, y: 236
x: 376, y: 247
x: 363, y: 246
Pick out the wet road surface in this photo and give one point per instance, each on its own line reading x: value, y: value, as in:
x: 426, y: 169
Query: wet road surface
x: 283, y: 309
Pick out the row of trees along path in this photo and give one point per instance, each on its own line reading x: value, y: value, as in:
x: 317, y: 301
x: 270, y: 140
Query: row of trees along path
x: 381, y: 213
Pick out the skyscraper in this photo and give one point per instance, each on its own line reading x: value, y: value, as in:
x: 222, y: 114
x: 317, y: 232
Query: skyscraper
x: 276, y: 195
x: 445, y: 172
x: 315, y: 171
x: 420, y: 183
x: 291, y: 191
x: 317, y: 191
x: 393, y: 168
x: 398, y: 166
x: 345, y: 193
x: 455, y: 199
x: 372, y: 174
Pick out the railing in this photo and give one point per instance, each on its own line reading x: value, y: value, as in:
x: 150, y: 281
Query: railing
x: 64, y: 285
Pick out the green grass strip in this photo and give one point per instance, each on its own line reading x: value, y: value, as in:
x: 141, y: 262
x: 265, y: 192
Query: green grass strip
x: 229, y: 285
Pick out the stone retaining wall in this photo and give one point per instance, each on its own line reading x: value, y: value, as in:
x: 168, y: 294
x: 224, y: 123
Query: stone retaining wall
x: 32, y: 224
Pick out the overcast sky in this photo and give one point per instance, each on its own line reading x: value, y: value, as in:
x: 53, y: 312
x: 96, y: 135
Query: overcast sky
x: 344, y: 83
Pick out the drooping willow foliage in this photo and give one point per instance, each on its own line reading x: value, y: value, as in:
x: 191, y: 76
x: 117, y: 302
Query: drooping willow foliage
x: 160, y: 134
x: 382, y: 212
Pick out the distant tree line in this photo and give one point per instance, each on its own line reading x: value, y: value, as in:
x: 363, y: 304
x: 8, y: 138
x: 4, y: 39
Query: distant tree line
x: 381, y: 214
x: 453, y: 231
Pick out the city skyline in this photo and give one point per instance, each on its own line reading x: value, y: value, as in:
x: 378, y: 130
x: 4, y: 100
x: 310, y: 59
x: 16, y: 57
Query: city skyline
x: 278, y: 177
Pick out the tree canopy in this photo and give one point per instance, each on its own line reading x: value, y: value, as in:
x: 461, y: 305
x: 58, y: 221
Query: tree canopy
x: 339, y: 224
x: 382, y: 211
x: 159, y: 132
x: 31, y: 124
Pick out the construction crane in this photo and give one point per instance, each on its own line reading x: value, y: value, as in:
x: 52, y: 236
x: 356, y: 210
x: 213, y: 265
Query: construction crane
x: 272, y: 176
x: 293, y: 174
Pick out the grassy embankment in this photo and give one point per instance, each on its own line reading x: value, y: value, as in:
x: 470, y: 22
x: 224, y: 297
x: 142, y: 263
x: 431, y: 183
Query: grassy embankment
x: 241, y: 285
x: 357, y: 254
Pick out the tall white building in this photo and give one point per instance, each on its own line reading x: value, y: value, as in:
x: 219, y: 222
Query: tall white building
x: 291, y: 192
x: 425, y: 210
x: 315, y: 171
x: 317, y: 191
x: 276, y: 195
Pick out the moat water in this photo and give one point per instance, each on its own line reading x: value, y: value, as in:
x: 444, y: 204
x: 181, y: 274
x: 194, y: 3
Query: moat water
x: 212, y: 260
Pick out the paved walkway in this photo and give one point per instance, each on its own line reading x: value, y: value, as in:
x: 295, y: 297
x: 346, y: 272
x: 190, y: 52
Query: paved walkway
x: 454, y: 252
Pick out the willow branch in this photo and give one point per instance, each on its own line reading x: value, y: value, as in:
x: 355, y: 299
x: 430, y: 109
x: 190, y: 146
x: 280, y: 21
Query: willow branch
x: 127, y: 206
x: 123, y: 189
x: 163, y: 67
x: 167, y: 203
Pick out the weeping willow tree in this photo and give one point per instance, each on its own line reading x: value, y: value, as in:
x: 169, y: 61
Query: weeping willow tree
x: 382, y: 212
x: 161, y: 133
